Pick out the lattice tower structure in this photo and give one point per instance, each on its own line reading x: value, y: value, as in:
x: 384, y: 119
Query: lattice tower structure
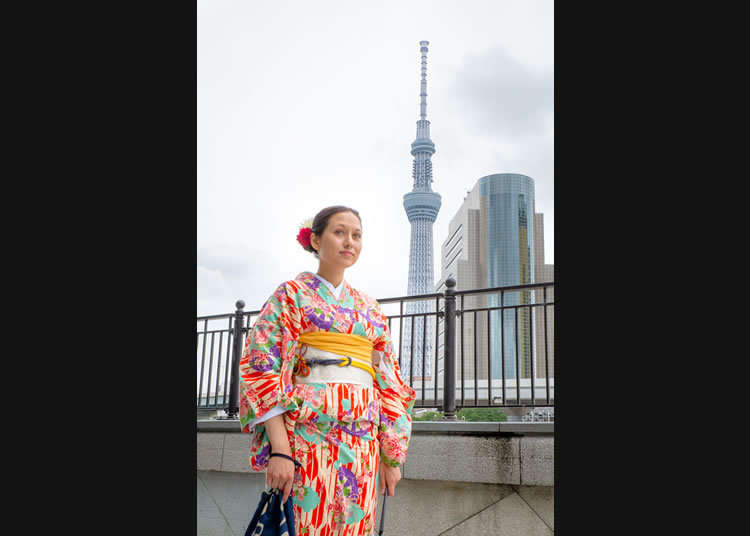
x: 421, y: 206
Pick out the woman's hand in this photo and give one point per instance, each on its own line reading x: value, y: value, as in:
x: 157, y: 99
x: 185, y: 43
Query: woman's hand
x: 280, y: 475
x: 280, y: 471
x: 389, y: 476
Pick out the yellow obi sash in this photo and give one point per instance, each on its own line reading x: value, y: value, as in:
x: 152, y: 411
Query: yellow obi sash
x: 356, y: 347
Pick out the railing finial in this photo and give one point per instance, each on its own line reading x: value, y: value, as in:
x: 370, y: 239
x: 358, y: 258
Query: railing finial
x: 240, y: 305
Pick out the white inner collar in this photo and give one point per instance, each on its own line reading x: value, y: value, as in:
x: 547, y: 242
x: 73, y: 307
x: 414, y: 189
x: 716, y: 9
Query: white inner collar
x: 336, y: 291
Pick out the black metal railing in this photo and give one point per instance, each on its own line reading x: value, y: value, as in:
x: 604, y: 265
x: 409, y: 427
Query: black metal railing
x: 524, y: 313
x: 218, y: 386
x: 496, y: 326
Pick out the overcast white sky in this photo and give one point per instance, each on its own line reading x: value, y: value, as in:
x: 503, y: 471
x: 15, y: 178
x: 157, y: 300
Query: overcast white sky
x: 306, y: 104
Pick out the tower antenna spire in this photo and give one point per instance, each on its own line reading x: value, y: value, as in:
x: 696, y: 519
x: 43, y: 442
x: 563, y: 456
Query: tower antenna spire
x: 423, y: 89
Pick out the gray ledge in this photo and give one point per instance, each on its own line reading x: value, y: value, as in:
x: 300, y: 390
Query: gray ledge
x: 219, y: 425
x: 463, y: 427
x: 441, y: 427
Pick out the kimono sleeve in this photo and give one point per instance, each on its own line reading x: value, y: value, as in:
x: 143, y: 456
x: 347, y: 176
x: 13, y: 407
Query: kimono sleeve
x: 397, y: 401
x: 266, y: 368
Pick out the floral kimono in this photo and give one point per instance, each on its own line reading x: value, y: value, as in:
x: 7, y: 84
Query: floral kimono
x: 339, y: 432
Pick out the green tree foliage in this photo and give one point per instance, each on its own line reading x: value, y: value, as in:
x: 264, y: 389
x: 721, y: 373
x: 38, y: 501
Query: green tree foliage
x: 467, y: 414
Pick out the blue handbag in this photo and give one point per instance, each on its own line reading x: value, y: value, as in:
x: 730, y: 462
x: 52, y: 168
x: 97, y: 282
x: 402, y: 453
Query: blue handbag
x: 271, y: 517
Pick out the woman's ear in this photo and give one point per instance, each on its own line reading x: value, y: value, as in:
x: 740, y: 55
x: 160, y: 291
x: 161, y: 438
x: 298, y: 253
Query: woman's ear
x: 314, y: 241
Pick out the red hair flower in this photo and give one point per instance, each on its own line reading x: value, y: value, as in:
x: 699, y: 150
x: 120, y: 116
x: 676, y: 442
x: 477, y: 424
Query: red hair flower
x: 303, y: 237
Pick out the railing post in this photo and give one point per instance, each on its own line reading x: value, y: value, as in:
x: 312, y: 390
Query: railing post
x: 449, y: 352
x: 234, y: 384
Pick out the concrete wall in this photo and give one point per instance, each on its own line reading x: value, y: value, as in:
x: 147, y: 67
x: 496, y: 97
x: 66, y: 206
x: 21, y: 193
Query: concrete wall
x: 457, y: 479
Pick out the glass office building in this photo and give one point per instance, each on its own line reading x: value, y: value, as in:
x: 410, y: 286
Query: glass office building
x: 507, y: 204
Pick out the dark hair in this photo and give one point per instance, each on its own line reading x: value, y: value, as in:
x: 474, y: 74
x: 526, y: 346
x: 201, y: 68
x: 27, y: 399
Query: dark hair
x: 320, y: 221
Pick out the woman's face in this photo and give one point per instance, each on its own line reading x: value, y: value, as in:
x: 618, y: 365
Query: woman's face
x: 341, y: 241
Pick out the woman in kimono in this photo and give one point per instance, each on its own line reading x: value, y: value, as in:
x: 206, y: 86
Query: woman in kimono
x: 321, y: 393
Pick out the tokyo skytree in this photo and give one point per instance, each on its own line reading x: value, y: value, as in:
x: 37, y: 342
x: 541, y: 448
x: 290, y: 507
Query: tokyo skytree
x: 422, y: 206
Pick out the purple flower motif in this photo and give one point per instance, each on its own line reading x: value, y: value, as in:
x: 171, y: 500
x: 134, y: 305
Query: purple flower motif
x: 348, y: 479
x: 319, y: 321
x: 373, y: 322
x: 262, y: 457
x: 385, y: 420
x: 260, y: 361
x: 353, y: 430
x: 275, y: 351
x: 347, y: 311
x: 314, y: 283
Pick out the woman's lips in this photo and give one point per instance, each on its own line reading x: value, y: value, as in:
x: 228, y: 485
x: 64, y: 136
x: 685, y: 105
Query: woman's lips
x: 349, y: 253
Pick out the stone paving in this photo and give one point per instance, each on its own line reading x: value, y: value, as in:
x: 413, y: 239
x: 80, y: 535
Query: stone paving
x: 226, y: 502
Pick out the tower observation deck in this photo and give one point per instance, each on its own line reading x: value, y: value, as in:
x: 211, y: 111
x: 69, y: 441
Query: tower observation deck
x: 422, y: 206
